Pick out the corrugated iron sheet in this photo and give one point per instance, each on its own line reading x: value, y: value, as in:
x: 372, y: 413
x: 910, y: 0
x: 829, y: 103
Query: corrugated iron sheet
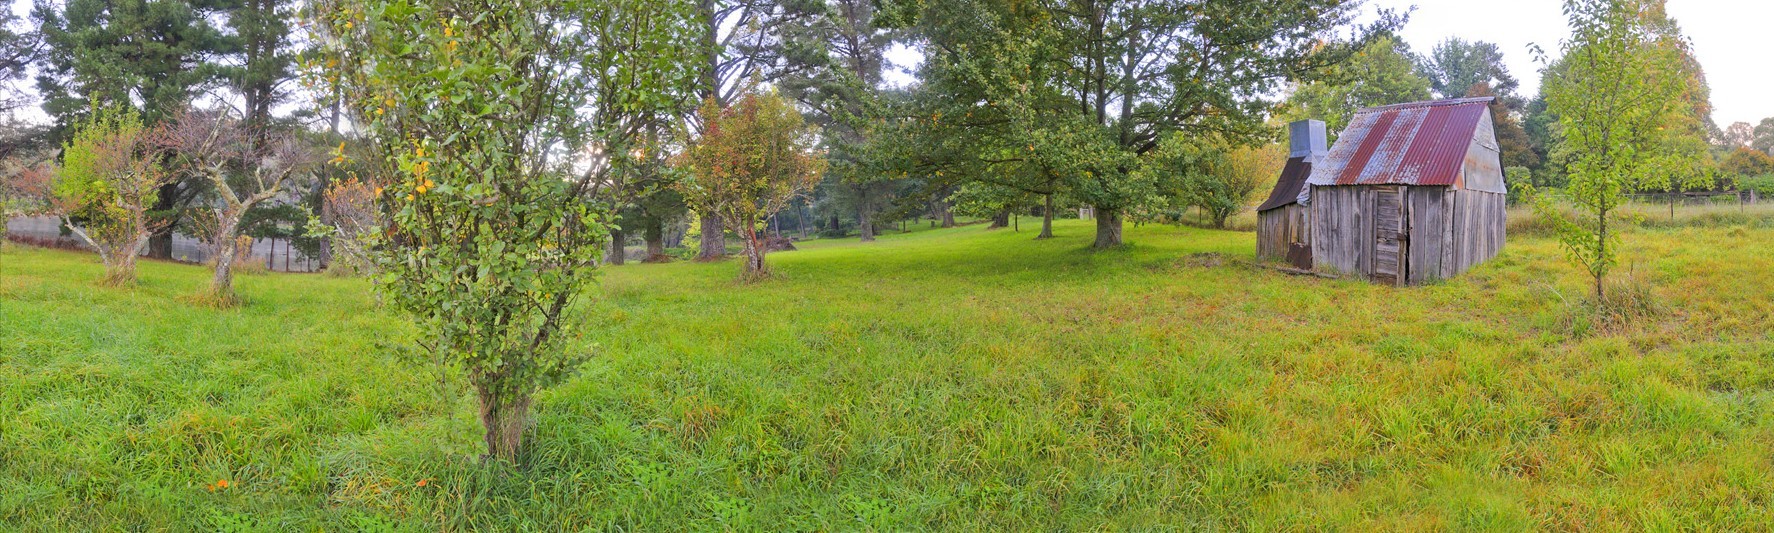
x: 1423, y: 143
x: 1287, y: 187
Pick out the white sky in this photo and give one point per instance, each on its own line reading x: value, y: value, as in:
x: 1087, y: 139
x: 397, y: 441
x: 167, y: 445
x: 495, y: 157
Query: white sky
x: 1729, y: 39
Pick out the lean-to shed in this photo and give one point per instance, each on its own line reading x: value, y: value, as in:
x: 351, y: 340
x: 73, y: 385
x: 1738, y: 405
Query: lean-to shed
x: 1282, y: 229
x: 1410, y: 193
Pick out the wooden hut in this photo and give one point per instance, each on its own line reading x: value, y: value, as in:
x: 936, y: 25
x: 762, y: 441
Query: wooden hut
x: 1409, y: 194
x: 1282, y: 222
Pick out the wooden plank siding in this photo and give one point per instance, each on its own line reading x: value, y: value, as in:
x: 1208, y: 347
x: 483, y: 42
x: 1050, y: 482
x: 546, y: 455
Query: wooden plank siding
x: 1278, y: 229
x: 1449, y: 231
x: 1481, y: 227
x: 1429, y: 226
x: 1389, y: 222
x: 1343, y: 229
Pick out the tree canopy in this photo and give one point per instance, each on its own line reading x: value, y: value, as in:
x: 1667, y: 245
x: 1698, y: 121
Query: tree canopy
x: 1070, y: 94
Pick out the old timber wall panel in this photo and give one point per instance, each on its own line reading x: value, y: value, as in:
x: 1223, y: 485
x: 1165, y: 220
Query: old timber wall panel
x: 1278, y: 229
x: 1428, y: 229
x: 1342, y: 229
x: 1479, y: 227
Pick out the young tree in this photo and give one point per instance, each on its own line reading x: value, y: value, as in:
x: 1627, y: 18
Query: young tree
x: 752, y: 159
x: 351, y: 218
x: 104, y: 189
x: 741, y: 46
x: 245, y: 165
x: 1214, y: 175
x: 500, y: 121
x: 1616, y: 93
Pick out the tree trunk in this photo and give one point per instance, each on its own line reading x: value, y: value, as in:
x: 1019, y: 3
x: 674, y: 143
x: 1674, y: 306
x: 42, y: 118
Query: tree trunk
x: 618, y: 247
x: 1601, y: 243
x: 504, y: 420
x: 755, y: 269
x: 864, y: 225
x: 227, y: 248
x: 655, y: 236
x: 160, y: 244
x: 1108, y: 228
x: 1046, y: 218
x: 801, y: 221
x: 1000, y: 220
x: 714, y: 241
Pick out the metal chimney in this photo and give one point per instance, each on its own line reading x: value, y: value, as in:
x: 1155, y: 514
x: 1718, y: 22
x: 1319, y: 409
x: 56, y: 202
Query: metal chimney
x: 1307, y: 138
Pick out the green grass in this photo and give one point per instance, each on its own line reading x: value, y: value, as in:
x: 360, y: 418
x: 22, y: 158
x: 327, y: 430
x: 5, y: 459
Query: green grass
x: 945, y: 379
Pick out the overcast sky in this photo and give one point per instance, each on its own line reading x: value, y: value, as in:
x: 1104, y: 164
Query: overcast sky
x: 1730, y: 39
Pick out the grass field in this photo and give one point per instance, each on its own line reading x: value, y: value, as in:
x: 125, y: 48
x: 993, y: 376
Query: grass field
x: 957, y: 379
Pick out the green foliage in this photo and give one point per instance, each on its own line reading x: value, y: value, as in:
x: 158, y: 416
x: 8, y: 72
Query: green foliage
x: 1763, y: 185
x: 19, y: 49
x: 492, y: 236
x: 1211, y: 174
x: 104, y: 187
x: 1745, y: 161
x: 1519, y: 180
x: 1067, y: 96
x: 1616, y: 93
x: 1384, y: 72
x: 836, y: 55
x: 154, y: 54
x: 1456, y: 65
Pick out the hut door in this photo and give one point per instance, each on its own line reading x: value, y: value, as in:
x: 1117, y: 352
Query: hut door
x: 1389, y: 235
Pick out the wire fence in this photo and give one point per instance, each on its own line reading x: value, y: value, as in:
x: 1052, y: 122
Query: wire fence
x: 276, y: 254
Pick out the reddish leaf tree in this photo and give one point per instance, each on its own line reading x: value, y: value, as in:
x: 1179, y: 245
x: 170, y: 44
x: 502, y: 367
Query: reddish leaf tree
x: 752, y: 160
x: 102, y: 190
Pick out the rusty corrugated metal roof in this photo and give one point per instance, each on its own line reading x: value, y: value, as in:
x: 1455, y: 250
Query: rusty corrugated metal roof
x: 1287, y: 187
x: 1421, y: 143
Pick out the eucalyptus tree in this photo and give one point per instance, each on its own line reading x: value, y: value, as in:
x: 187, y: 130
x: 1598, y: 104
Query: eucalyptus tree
x: 1079, y: 91
x: 501, y: 122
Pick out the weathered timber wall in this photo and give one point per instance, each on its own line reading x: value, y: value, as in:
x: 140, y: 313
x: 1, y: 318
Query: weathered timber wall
x: 1479, y: 228
x: 1278, y: 229
x: 1450, y: 231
